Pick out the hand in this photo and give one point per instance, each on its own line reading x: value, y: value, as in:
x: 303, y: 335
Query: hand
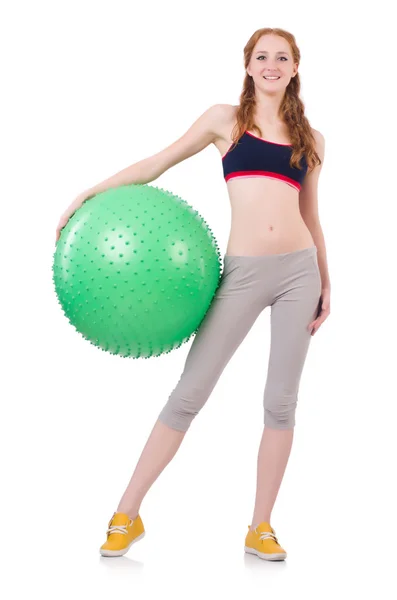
x: 323, y: 310
x: 79, y: 201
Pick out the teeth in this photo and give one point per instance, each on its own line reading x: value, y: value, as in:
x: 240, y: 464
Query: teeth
x: 271, y: 77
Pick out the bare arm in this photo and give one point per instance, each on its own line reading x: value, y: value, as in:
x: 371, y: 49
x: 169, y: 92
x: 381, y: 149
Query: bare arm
x: 201, y: 133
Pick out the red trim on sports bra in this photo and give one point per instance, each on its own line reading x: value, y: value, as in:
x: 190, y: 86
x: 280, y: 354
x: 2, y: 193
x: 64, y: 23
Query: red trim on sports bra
x: 288, y: 180
x: 267, y: 141
x: 227, y: 151
x: 258, y: 138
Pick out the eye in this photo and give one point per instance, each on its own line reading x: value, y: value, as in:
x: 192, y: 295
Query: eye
x: 262, y: 56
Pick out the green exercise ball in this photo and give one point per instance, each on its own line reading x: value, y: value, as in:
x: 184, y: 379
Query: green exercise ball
x: 135, y: 270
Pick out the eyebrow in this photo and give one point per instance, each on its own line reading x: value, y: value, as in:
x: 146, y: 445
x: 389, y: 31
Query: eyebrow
x: 265, y: 52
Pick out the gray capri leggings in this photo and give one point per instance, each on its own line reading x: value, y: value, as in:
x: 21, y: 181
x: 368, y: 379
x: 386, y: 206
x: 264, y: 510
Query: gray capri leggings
x: 291, y: 284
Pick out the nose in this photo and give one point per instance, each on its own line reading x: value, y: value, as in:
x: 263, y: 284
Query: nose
x: 271, y: 68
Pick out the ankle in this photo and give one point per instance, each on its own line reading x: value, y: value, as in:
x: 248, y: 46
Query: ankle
x: 131, y: 512
x: 255, y: 523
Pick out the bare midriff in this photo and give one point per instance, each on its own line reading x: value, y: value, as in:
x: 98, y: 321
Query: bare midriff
x: 265, y: 218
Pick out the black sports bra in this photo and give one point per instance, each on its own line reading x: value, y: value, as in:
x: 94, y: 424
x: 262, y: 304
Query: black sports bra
x: 255, y: 157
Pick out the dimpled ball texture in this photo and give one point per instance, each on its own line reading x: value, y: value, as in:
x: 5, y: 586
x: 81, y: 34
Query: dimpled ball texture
x: 135, y: 270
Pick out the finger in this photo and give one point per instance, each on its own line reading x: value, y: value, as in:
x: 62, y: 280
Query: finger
x: 315, y: 329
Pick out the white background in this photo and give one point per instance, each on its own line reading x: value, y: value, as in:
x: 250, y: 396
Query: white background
x: 89, y: 88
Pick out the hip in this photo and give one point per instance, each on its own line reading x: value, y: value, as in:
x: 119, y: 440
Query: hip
x: 294, y: 273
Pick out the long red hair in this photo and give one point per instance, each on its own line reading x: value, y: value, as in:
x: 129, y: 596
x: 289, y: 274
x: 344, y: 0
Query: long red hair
x: 292, y: 109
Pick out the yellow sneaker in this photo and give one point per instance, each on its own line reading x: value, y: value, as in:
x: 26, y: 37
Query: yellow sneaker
x: 122, y: 533
x: 263, y: 542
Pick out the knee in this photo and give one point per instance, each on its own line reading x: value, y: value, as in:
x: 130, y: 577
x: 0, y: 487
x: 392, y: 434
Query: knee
x: 279, y: 410
x: 182, y: 407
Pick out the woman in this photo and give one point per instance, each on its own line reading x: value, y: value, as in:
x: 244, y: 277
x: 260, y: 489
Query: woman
x: 275, y: 257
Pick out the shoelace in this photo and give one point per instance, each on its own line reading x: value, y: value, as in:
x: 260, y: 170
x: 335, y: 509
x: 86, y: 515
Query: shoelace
x: 119, y: 528
x: 268, y: 535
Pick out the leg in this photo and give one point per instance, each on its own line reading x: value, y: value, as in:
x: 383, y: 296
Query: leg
x: 290, y: 338
x: 274, y: 451
x: 159, y: 449
x: 230, y: 316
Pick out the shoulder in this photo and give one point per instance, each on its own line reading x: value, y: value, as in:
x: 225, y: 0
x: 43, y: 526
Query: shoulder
x: 222, y: 118
x: 224, y: 112
x: 319, y: 138
x: 320, y: 142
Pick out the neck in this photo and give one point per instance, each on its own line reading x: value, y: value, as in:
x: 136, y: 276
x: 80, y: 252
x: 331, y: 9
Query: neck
x: 267, y: 109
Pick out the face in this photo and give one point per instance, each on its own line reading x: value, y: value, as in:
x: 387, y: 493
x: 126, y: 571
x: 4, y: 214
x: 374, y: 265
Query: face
x: 272, y: 56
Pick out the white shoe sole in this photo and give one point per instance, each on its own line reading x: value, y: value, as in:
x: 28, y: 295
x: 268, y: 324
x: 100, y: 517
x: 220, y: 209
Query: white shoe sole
x: 279, y: 556
x: 105, y: 552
